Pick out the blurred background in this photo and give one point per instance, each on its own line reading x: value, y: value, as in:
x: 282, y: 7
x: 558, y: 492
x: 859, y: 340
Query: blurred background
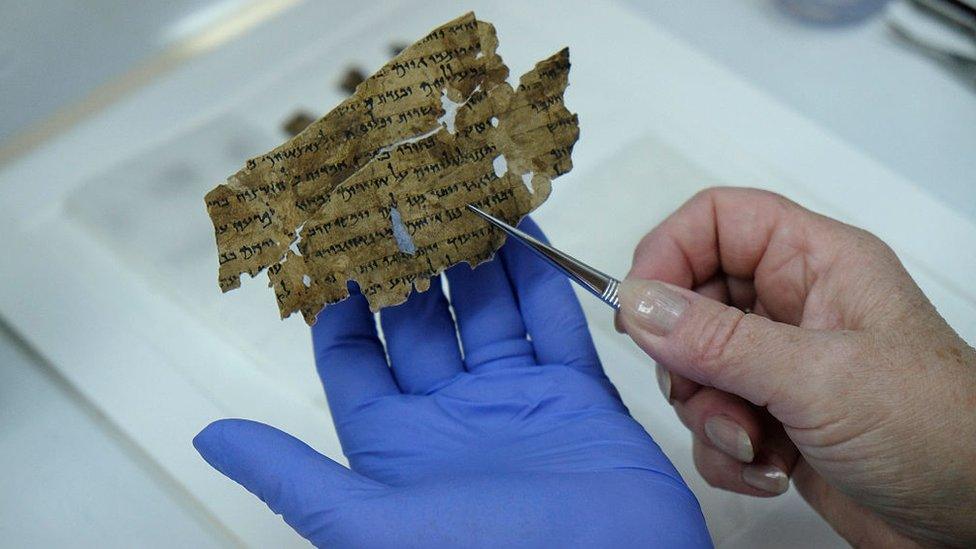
x: 117, y: 116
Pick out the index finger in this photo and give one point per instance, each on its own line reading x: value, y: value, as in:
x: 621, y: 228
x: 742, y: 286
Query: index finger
x: 746, y: 234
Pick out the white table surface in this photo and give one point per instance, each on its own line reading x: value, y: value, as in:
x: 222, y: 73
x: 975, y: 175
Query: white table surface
x: 70, y: 480
x: 718, y: 29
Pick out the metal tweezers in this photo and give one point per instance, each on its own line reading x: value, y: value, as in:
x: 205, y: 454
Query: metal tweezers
x: 597, y: 283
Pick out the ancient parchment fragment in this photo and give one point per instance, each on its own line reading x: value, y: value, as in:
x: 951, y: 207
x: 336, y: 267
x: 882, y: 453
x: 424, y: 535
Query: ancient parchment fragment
x: 375, y: 191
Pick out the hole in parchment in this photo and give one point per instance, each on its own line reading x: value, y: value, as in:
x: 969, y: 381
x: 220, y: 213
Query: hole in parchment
x: 494, y: 121
x: 450, y: 112
x: 306, y: 280
x: 403, y: 239
x: 298, y: 239
x: 527, y: 181
x: 500, y: 165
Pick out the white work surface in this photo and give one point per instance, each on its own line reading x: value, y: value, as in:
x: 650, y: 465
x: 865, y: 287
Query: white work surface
x: 144, y: 337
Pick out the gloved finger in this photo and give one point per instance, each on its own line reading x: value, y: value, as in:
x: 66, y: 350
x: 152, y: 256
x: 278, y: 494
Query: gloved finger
x: 421, y: 340
x: 488, y: 319
x: 294, y: 480
x: 724, y: 421
x: 760, y: 478
x: 349, y: 356
x: 552, y: 313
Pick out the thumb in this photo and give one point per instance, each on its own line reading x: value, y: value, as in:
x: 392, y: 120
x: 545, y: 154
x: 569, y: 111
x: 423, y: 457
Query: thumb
x: 763, y: 361
x: 296, y: 482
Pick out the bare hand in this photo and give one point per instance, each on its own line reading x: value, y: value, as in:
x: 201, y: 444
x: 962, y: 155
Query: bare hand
x: 795, y: 346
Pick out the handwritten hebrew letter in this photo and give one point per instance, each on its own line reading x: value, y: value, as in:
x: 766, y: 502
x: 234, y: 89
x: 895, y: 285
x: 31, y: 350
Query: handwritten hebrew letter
x: 375, y: 191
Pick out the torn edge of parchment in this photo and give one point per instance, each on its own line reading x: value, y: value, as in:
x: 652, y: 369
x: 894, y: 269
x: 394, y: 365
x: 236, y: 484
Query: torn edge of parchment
x: 375, y: 191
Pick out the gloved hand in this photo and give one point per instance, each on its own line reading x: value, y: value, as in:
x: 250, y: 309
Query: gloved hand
x: 522, y: 441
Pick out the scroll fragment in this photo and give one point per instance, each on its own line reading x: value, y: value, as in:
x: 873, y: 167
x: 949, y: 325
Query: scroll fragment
x: 375, y: 191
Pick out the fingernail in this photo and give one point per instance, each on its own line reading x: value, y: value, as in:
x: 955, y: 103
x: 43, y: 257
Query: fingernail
x: 766, y: 478
x: 663, y: 381
x: 729, y: 437
x: 654, y: 305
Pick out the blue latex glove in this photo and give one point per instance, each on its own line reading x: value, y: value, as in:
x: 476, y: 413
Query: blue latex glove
x: 522, y: 442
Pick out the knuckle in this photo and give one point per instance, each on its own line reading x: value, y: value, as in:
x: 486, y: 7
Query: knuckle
x: 507, y: 353
x: 867, y: 241
x: 709, y: 195
x: 713, y: 193
x: 860, y: 245
x: 716, y: 337
x: 706, y: 194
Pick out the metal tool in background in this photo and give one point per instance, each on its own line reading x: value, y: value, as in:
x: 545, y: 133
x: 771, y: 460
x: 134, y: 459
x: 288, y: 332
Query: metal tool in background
x: 942, y: 30
x: 597, y: 283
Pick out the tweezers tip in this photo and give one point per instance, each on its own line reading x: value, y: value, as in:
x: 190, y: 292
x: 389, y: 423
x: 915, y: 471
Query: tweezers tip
x: 481, y: 213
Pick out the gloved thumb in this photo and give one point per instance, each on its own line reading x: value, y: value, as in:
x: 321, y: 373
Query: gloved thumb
x: 298, y: 483
x: 763, y: 361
